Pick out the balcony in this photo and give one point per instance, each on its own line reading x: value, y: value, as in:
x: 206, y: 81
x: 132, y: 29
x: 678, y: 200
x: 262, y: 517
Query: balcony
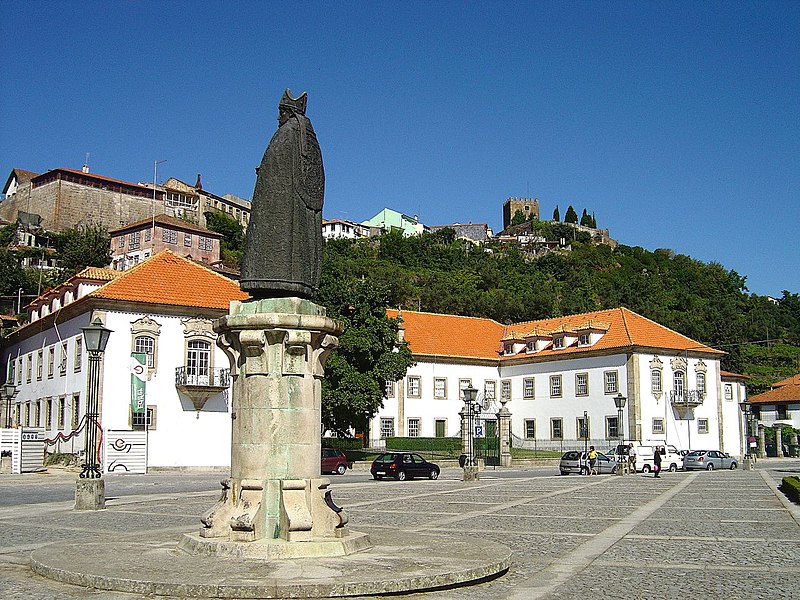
x: 199, y: 386
x: 686, y: 398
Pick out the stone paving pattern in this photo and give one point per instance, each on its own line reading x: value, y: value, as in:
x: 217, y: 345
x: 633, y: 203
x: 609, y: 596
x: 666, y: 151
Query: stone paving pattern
x: 697, y: 535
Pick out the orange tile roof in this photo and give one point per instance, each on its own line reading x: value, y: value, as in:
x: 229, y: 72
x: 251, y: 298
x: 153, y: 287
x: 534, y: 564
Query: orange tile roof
x: 729, y: 375
x: 167, y: 278
x: 793, y: 380
x: 97, y: 273
x: 448, y: 335
x: 785, y: 393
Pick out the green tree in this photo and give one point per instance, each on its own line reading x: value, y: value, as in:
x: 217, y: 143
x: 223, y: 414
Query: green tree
x: 231, y: 246
x: 86, y: 246
x: 594, y: 222
x: 556, y: 216
x: 571, y: 216
x: 586, y: 220
x: 368, y: 355
x: 518, y: 218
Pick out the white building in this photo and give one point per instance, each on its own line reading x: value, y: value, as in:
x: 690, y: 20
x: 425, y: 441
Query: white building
x: 550, y: 371
x: 162, y: 307
x: 338, y: 228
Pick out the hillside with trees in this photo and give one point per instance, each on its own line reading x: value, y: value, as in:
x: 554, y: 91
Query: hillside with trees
x: 436, y: 272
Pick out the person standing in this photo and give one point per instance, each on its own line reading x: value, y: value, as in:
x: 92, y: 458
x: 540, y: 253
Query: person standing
x: 592, y: 461
x: 631, y: 459
x: 657, y: 462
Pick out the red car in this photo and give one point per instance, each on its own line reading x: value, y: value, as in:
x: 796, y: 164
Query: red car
x: 334, y: 461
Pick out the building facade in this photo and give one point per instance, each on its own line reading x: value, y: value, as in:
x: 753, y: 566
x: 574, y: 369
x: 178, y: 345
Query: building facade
x: 337, y: 228
x: 389, y: 220
x: 559, y: 378
x: 163, y: 308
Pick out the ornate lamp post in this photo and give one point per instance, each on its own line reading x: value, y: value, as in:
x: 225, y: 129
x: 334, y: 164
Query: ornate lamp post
x: 90, y: 487
x: 585, y: 432
x: 619, y: 401
x: 748, y: 460
x: 9, y: 390
x: 470, y: 466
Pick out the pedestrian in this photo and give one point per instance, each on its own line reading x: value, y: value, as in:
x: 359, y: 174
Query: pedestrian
x: 631, y: 459
x: 592, y: 461
x: 657, y: 462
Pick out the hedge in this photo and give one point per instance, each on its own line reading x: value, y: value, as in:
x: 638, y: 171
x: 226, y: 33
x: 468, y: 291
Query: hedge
x: 791, y: 487
x: 450, y: 446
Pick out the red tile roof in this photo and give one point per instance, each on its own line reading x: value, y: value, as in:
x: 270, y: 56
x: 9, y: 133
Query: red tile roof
x: 785, y: 393
x: 431, y: 334
x: 167, y: 278
x: 793, y: 380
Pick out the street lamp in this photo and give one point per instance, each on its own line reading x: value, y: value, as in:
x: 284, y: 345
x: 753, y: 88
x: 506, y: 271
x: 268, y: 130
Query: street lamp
x: 9, y: 390
x: 470, y: 393
x: 585, y: 432
x: 91, y: 494
x: 745, y: 406
x: 619, y: 401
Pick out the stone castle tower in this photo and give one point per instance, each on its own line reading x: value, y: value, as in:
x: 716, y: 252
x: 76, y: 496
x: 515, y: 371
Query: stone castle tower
x: 527, y: 206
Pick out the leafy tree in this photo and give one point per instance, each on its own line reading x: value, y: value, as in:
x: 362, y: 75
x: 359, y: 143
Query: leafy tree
x: 518, y: 218
x: 86, y: 246
x: 571, y: 216
x: 368, y: 355
x: 556, y: 216
x: 594, y: 222
x: 231, y: 246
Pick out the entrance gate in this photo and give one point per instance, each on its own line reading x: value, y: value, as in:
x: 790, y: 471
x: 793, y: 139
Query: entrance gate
x: 488, y: 446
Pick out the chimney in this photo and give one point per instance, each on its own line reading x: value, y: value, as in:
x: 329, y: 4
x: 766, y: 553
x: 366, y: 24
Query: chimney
x: 85, y: 168
x: 198, y: 185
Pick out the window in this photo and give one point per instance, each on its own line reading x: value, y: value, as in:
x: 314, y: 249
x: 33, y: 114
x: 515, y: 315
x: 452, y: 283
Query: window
x: 509, y: 348
x: 581, y: 384
x: 38, y: 420
x: 133, y: 240
x: 389, y: 389
x: 146, y: 345
x: 19, y: 371
x: 49, y: 414
x: 462, y: 385
x: 147, y: 234
x: 612, y: 428
x: 530, y: 429
x: 27, y: 414
x: 187, y: 239
x: 582, y: 428
x: 610, y: 378
x: 728, y: 392
x: 121, y: 241
x: 439, y: 387
x: 169, y: 236
x: 198, y: 362
x: 62, y: 365
x: 489, y: 389
x: 387, y: 428
x: 144, y: 419
x: 12, y: 366
x: 76, y: 411
x: 61, y: 412
x: 528, y: 387
x: 440, y: 427
x: 658, y: 426
x: 505, y: 389
x: 51, y: 359
x: 39, y: 364
x: 555, y: 386
x: 28, y: 371
x: 78, y: 353
x: 702, y: 425
x: 413, y: 387
x: 678, y: 383
x: 413, y: 428
x: 701, y: 385
x: 556, y: 429
x: 781, y: 412
x: 655, y: 381
x: 558, y: 342
x: 583, y: 339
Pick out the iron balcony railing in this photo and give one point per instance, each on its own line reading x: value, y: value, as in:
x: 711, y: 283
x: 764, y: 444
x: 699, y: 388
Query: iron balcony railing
x: 687, y: 397
x: 216, y: 378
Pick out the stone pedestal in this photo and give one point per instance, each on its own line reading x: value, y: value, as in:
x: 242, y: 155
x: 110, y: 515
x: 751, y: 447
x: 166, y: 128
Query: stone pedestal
x: 277, y: 348
x: 762, y: 442
x: 504, y: 426
x: 778, y: 441
x: 471, y: 473
x: 90, y: 494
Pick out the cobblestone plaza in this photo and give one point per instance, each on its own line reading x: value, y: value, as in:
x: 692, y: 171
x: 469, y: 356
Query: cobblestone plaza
x: 687, y: 535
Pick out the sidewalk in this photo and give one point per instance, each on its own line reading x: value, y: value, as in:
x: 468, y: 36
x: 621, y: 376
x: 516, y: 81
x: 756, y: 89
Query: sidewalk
x: 721, y: 534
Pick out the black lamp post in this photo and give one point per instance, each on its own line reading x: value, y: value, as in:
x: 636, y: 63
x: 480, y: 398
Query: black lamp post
x: 585, y: 432
x: 745, y: 406
x: 95, y: 338
x: 9, y: 390
x: 470, y: 393
x: 619, y: 401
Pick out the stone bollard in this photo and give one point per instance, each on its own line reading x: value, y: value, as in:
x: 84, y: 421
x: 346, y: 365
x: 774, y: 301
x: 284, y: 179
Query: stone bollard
x: 471, y: 473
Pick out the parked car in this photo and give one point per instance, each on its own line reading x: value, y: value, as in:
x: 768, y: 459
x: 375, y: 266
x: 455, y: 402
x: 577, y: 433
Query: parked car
x: 403, y: 465
x: 575, y: 461
x: 708, y: 460
x: 334, y: 461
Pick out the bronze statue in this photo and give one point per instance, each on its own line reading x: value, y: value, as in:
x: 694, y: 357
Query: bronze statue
x: 283, y: 246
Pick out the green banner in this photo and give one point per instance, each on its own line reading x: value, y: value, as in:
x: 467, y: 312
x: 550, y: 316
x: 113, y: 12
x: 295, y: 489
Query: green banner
x: 138, y: 381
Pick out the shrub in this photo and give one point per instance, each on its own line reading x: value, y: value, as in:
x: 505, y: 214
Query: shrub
x: 791, y: 487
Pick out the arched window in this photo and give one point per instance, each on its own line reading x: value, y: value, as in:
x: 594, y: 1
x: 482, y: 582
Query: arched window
x: 679, y: 382
x: 146, y: 345
x: 198, y: 361
x: 655, y: 381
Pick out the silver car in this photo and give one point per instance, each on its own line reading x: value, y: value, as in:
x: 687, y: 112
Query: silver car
x: 575, y: 461
x: 708, y: 460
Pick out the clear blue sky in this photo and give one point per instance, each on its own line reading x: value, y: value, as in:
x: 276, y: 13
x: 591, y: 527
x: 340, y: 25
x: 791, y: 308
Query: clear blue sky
x: 676, y: 123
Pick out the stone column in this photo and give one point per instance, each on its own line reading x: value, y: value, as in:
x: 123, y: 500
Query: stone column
x: 277, y: 348
x: 504, y: 426
x: 762, y: 444
x: 778, y: 440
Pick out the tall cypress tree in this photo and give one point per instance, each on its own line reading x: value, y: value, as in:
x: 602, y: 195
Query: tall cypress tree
x: 571, y: 216
x: 556, y: 216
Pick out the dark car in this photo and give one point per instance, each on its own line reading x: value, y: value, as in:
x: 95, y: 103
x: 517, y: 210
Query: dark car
x: 334, y: 461
x: 403, y: 465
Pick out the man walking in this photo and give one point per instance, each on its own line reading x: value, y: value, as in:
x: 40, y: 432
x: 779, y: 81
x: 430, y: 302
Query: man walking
x: 657, y: 462
x: 631, y: 459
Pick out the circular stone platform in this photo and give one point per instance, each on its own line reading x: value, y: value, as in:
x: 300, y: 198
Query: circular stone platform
x: 397, y: 562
